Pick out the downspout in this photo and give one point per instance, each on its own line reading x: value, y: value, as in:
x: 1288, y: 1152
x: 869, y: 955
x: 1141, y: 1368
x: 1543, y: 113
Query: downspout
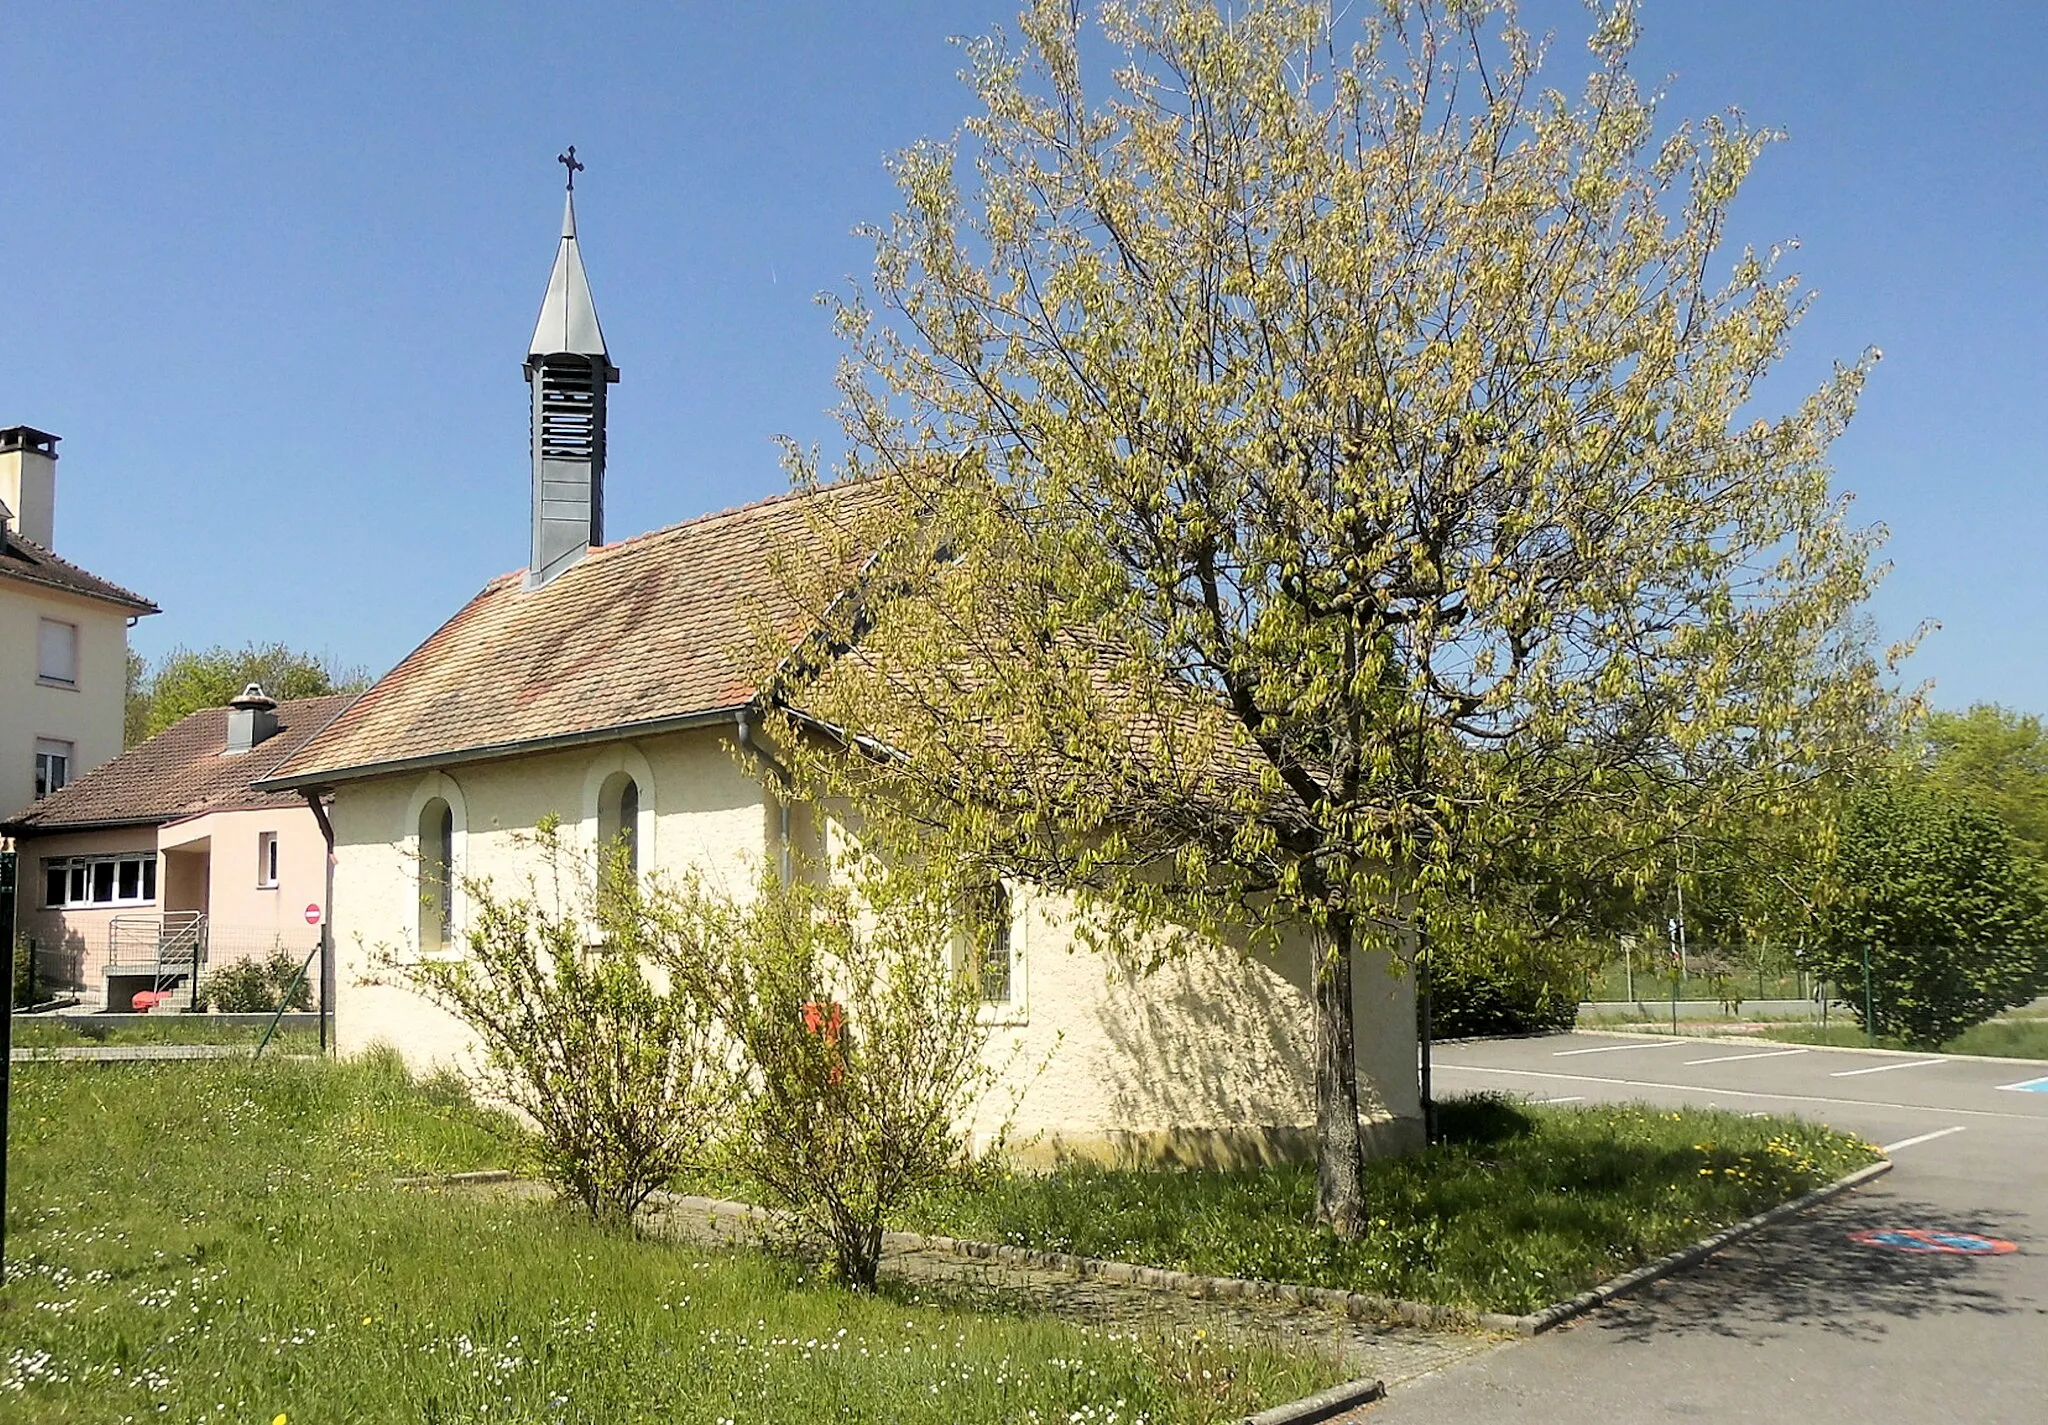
x: 312, y: 796
x: 781, y: 775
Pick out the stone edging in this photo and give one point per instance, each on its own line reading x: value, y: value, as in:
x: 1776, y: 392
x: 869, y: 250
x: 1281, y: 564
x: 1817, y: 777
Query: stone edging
x: 479, y: 1178
x: 1563, y: 1311
x: 1323, y: 1405
x: 1357, y: 1305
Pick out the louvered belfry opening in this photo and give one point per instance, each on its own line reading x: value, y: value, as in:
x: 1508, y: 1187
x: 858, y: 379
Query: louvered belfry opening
x: 570, y: 397
x: 568, y: 460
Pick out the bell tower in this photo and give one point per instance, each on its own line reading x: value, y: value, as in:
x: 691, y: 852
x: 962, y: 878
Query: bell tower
x: 569, y: 370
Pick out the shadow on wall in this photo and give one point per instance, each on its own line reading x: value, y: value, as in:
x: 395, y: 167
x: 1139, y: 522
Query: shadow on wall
x: 54, y: 956
x: 1210, y: 1058
x: 1807, y: 1271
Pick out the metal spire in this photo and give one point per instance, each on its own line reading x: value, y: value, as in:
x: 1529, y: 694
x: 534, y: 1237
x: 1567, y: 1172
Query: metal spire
x: 568, y: 318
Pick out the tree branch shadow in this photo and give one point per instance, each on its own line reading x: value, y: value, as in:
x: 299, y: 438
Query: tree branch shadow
x: 1807, y: 1273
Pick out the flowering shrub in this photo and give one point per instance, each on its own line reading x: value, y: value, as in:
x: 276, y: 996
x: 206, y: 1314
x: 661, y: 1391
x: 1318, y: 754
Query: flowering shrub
x: 857, y: 1046
x: 615, y: 1072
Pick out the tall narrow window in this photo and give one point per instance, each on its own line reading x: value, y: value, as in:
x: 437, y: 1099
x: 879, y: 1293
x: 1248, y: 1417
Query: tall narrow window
x: 991, y: 953
x: 53, y: 766
x: 618, y: 819
x: 437, y: 875
x: 266, y: 859
x: 57, y: 653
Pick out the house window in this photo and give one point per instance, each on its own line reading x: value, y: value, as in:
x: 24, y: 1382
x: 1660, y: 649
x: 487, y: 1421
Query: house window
x: 990, y: 948
x: 53, y: 766
x: 618, y: 819
x: 437, y: 875
x: 71, y: 882
x: 266, y: 859
x: 57, y: 653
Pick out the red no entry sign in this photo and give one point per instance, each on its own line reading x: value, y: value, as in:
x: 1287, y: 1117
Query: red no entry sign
x: 313, y: 914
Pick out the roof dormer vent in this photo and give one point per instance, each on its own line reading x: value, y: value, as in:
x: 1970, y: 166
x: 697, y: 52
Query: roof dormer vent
x: 252, y: 718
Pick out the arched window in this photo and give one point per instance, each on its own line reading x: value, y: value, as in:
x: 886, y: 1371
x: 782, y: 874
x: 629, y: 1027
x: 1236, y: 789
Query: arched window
x: 991, y: 949
x: 618, y: 818
x: 437, y: 874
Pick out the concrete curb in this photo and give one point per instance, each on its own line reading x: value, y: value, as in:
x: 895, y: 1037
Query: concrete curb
x: 1323, y: 1405
x: 1537, y: 1322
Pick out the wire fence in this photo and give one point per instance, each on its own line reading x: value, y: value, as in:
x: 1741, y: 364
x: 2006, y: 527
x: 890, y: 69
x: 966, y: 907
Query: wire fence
x: 175, y: 961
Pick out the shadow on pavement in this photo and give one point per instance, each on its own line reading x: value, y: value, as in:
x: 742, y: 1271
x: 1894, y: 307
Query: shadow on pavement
x: 1809, y: 1273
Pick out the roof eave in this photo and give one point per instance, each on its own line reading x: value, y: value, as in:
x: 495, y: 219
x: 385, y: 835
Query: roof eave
x: 491, y: 752
x: 27, y: 830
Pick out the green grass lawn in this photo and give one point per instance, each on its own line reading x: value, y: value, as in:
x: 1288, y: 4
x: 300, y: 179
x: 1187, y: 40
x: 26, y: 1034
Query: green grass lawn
x: 224, y: 1241
x: 2011, y: 1037
x: 58, y: 1032
x: 1523, y: 1206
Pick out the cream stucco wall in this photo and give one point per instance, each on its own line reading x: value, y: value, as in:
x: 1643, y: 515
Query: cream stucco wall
x: 1205, y: 1059
x: 698, y: 812
x: 87, y: 715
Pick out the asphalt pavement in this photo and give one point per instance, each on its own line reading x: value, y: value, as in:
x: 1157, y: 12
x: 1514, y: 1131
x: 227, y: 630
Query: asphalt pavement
x: 1801, y: 1324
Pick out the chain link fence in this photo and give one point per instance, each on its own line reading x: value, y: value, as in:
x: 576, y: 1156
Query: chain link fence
x: 175, y: 961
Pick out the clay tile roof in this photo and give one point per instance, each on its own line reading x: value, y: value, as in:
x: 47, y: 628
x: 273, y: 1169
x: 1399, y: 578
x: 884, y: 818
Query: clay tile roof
x: 27, y: 562
x: 182, y: 771
x: 650, y: 633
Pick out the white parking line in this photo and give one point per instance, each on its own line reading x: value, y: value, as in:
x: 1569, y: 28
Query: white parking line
x: 1566, y: 1098
x: 1884, y: 1068
x: 2039, y: 1085
x: 1735, y: 1058
x: 1615, y: 1048
x: 1923, y: 1138
x: 1746, y: 1093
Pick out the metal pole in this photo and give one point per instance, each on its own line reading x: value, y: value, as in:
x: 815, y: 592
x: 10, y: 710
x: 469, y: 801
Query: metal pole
x: 7, y: 864
x: 1869, y: 1028
x: 1428, y: 1103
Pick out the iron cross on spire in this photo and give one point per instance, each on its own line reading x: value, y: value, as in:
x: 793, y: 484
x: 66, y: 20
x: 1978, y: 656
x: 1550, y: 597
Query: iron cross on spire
x: 568, y: 161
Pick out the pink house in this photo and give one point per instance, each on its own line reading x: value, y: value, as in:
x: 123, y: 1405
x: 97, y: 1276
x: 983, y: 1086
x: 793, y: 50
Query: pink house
x: 163, y: 865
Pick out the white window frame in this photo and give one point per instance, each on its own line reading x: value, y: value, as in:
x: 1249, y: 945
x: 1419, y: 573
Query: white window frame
x: 68, y: 641
x: 266, y: 860
x: 1015, y: 1009
x: 81, y: 875
x: 442, y: 787
x: 627, y: 759
x: 48, y: 749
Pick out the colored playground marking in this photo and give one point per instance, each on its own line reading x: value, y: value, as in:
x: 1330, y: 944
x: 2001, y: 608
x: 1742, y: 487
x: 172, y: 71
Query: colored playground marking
x: 1922, y: 1240
x: 2039, y: 1085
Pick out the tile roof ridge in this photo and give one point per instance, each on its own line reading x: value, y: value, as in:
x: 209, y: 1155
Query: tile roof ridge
x: 37, y: 553
x: 781, y: 497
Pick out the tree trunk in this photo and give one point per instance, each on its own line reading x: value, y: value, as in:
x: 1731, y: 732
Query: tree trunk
x: 1340, y: 1161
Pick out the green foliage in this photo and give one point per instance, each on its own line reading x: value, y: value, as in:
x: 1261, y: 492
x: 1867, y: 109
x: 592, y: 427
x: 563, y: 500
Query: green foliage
x: 858, y: 1045
x: 1503, y: 986
x: 1998, y: 760
x: 255, y: 986
x: 1521, y: 1206
x: 258, y: 1260
x: 1324, y: 459
x: 614, y: 1069
x: 1953, y: 916
x: 186, y: 680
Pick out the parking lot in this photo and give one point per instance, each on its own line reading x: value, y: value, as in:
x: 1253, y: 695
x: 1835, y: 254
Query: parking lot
x: 1802, y: 1323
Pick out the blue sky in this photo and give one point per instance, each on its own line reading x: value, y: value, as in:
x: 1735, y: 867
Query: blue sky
x: 270, y: 271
